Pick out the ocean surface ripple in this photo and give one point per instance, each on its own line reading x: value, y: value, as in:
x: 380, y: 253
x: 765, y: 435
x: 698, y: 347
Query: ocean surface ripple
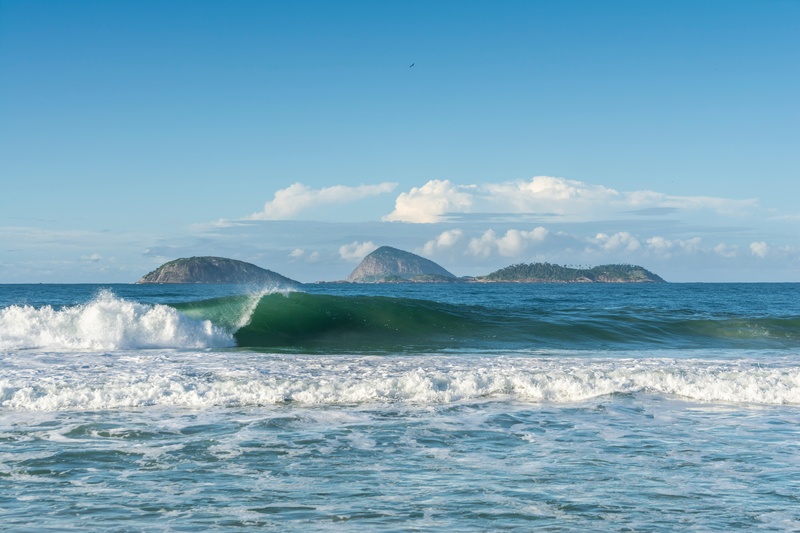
x: 400, y: 408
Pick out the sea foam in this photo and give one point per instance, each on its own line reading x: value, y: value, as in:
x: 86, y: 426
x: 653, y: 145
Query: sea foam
x: 106, y: 323
x: 238, y: 379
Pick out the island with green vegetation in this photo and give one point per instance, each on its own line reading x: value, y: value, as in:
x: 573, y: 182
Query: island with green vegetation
x: 550, y: 273
x: 215, y: 270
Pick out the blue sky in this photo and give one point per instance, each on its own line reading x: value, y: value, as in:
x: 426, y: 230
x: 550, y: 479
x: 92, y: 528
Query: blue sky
x: 297, y: 136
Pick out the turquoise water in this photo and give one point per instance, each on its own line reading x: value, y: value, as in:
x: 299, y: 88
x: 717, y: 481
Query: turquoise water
x: 386, y: 408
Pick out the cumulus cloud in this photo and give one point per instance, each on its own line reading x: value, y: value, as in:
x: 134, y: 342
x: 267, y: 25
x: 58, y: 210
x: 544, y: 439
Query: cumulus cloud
x: 429, y: 202
x: 513, y: 243
x: 356, y: 251
x: 546, y: 195
x: 445, y: 241
x: 296, y: 198
x: 726, y: 250
x: 665, y: 248
x: 622, y: 240
x: 759, y: 249
x: 300, y: 254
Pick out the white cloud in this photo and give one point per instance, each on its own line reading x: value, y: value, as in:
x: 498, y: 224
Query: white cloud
x: 297, y: 197
x: 429, y: 202
x: 446, y: 240
x: 660, y: 245
x: 759, y: 249
x: 622, y: 240
x: 300, y: 254
x: 513, y: 243
x: 356, y: 251
x: 483, y: 245
x: 546, y: 195
x: 726, y: 250
x: 665, y: 248
x: 217, y: 225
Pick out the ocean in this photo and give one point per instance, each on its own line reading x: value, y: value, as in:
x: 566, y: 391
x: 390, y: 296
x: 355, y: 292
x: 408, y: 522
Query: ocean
x: 431, y: 407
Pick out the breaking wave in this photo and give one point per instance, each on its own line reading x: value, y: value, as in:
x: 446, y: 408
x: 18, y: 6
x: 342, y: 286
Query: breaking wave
x: 106, y: 323
x: 303, y: 322
x: 298, y: 322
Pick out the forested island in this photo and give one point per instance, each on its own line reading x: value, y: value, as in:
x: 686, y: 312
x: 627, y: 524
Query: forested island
x: 550, y: 273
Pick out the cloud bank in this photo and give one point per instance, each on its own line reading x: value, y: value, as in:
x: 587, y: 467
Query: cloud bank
x: 297, y: 198
x: 475, y: 229
x: 546, y: 195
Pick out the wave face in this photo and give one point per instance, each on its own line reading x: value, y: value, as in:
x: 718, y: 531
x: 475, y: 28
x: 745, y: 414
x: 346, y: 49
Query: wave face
x: 107, y: 322
x: 303, y: 322
x: 306, y: 322
x: 326, y: 322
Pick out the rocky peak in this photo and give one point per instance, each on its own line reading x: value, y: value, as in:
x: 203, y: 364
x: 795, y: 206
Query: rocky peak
x: 387, y: 264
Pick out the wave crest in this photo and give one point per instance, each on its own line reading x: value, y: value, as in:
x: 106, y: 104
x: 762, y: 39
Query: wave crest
x: 106, y: 323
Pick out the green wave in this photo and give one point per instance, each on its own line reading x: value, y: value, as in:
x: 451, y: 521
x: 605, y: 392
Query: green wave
x: 229, y: 312
x: 303, y: 322
x: 300, y: 320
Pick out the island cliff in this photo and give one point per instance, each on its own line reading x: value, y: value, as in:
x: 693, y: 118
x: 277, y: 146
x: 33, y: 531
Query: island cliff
x: 215, y: 270
x: 390, y: 265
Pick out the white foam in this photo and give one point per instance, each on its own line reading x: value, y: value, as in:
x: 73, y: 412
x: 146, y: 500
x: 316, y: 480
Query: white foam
x: 244, y: 379
x: 106, y: 323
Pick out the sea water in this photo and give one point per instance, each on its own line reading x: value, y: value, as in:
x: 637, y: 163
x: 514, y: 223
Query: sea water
x: 560, y: 407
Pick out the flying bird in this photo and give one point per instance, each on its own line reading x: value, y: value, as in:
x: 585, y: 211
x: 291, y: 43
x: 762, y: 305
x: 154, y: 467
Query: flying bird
x: 411, y: 65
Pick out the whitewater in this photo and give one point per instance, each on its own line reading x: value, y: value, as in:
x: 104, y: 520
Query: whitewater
x: 400, y: 407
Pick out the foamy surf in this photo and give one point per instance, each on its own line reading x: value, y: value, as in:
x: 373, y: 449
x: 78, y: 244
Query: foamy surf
x: 107, y: 322
x: 240, y: 379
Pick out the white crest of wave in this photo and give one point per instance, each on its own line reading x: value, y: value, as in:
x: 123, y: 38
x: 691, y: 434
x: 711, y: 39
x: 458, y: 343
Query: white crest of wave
x: 106, y: 323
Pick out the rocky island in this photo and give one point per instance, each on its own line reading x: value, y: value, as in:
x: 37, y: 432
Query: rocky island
x: 215, y: 270
x: 390, y: 265
x: 549, y: 273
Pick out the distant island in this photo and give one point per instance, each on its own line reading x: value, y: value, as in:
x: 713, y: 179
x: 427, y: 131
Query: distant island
x: 549, y: 273
x: 390, y: 265
x: 215, y: 270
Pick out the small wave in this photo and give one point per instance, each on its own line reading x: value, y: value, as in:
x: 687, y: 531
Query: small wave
x: 106, y: 323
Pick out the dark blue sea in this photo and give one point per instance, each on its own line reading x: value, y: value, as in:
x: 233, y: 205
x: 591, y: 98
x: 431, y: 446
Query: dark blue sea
x: 430, y: 407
